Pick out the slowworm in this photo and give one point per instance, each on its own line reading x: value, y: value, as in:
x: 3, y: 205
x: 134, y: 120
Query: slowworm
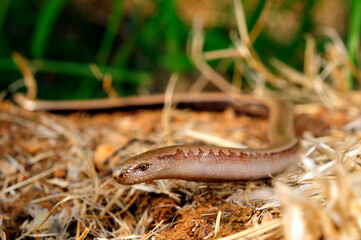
x: 198, y: 162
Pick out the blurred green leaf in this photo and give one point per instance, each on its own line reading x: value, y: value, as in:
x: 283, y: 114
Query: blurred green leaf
x: 44, y: 26
x: 354, y: 33
x: 111, y: 32
x: 3, y: 12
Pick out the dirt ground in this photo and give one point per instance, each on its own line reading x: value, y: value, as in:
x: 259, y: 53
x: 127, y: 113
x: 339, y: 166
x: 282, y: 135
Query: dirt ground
x: 56, y: 174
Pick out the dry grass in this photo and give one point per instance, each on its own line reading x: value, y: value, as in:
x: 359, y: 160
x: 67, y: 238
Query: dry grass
x: 56, y: 170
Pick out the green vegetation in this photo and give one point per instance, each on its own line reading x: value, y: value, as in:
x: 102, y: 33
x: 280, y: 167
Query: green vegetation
x: 139, y: 44
x: 353, y: 40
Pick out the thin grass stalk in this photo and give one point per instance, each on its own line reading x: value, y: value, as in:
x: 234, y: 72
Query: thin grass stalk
x: 172, y: 32
x: 111, y: 32
x: 44, y: 25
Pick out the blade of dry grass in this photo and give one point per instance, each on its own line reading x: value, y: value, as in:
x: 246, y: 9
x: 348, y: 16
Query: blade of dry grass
x: 197, y: 57
x: 310, y: 68
x: 166, y: 113
x: 210, y: 139
x: 223, y: 53
x: 261, y: 22
x: 152, y: 231
x: 3, y: 235
x: 68, y: 198
x: 241, y: 22
x: 84, y: 234
x: 33, y: 178
x: 40, y: 130
x: 218, y: 222
x: 29, y: 80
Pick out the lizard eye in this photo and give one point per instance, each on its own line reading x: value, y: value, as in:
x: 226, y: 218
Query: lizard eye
x: 143, y: 166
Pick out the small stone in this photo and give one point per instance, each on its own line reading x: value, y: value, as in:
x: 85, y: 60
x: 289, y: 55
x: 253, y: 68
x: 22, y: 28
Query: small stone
x: 6, y: 167
x: 102, y: 153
